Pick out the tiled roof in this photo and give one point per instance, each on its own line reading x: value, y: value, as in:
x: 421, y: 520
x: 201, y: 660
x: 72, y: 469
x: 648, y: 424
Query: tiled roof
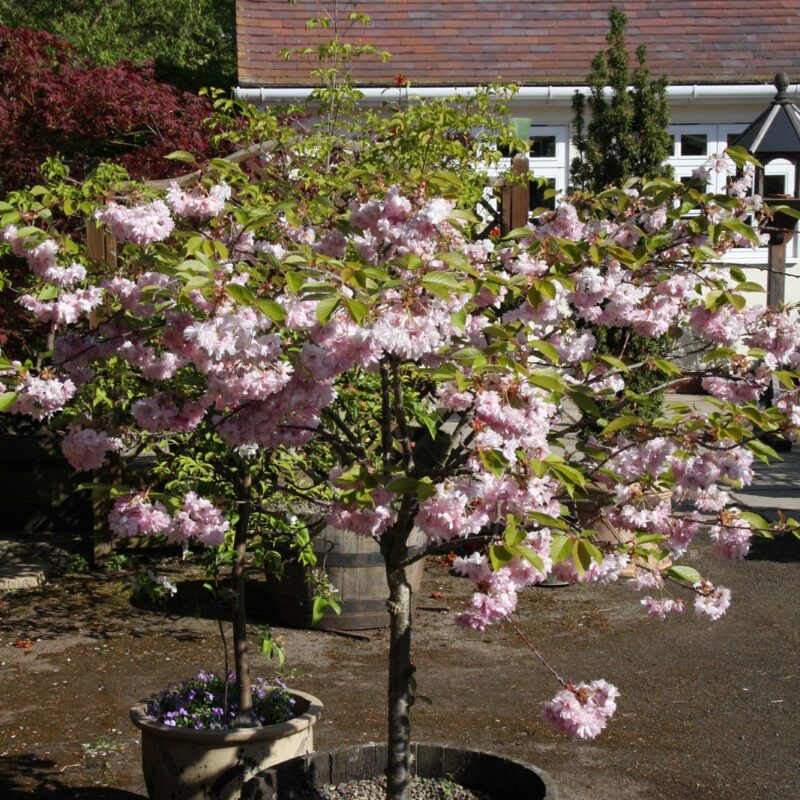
x: 461, y: 43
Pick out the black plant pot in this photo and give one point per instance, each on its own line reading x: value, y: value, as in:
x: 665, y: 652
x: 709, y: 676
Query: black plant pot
x: 503, y: 778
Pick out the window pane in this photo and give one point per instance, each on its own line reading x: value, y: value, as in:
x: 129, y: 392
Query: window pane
x: 536, y: 197
x: 694, y: 144
x: 774, y: 185
x: 732, y: 137
x: 543, y: 147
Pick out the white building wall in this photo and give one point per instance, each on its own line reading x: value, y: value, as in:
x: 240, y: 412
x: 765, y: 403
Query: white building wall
x: 700, y: 129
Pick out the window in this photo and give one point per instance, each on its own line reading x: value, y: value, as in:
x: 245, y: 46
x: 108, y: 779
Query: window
x: 694, y: 144
x: 774, y: 185
x: 543, y: 147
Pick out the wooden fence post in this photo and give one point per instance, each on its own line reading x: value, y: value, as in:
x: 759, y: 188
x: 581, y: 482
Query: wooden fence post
x: 515, y: 197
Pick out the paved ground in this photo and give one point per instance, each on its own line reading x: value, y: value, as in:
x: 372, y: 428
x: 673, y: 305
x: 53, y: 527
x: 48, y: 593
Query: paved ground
x: 709, y: 710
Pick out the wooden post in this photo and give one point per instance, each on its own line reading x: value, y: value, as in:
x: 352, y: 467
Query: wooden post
x: 776, y: 276
x: 514, y: 198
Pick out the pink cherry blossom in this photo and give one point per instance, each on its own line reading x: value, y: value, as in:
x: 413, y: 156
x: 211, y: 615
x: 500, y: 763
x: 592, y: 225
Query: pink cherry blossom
x: 136, y: 515
x: 86, y: 448
x: 582, y: 711
x: 710, y: 601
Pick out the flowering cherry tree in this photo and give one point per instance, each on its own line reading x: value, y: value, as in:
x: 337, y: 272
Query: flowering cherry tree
x: 424, y: 380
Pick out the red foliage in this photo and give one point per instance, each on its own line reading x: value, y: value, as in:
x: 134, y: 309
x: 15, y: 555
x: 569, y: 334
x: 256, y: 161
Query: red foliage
x: 55, y: 103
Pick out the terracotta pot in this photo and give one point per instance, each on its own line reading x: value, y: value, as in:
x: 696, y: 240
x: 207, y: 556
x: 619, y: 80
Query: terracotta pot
x: 592, y: 514
x: 500, y: 777
x: 185, y: 764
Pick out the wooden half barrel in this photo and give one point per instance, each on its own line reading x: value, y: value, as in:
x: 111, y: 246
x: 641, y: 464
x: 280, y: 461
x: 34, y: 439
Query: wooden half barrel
x: 488, y: 773
x: 354, y: 565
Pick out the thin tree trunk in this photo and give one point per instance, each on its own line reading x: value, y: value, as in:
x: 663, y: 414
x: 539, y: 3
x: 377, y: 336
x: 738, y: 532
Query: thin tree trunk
x: 245, y: 718
x: 401, y: 672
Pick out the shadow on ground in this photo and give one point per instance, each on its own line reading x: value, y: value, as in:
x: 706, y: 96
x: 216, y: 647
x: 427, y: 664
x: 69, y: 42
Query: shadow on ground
x: 26, y: 776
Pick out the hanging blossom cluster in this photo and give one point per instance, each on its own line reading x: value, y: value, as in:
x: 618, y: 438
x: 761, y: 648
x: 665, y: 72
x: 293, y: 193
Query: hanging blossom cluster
x: 582, y: 711
x: 198, y: 519
x: 474, y: 357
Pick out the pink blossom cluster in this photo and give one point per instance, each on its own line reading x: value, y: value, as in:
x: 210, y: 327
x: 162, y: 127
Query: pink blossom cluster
x: 365, y: 520
x: 198, y: 205
x: 731, y: 535
x: 41, y: 258
x: 140, y: 224
x: 159, y: 413
x: 86, y: 448
x: 68, y: 309
x: 662, y: 607
x: 41, y: 397
x: 137, y: 515
x: 582, y: 711
x: 199, y: 519
x: 710, y: 601
x: 391, y: 227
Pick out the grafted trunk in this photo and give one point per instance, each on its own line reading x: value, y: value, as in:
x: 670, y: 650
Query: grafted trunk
x: 401, y: 673
x: 245, y: 718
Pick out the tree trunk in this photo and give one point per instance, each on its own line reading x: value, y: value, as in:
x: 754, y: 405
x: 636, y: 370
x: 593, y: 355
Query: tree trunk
x: 401, y: 673
x: 245, y: 718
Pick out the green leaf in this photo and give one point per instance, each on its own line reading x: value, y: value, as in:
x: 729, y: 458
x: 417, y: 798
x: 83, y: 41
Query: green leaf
x: 181, y: 155
x: 613, y: 361
x: 546, y: 520
x: 740, y: 156
x: 740, y: 227
x: 682, y: 573
x: 546, y: 380
x: 513, y: 535
x: 270, y: 309
x: 585, y: 403
x: 356, y: 309
x: 531, y: 556
x: 546, y: 349
x: 787, y: 210
x: 402, y: 484
x: 560, y: 547
x: 763, y: 451
x: 241, y: 294
x: 625, y: 421
x: 494, y: 461
x: 756, y: 521
x: 326, y: 307
x: 668, y: 367
x: 749, y: 286
x: 499, y: 555
x: 295, y: 281
x: 7, y: 399
x: 442, y: 284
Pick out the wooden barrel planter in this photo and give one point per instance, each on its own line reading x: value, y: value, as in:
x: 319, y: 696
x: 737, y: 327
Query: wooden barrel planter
x: 355, y: 567
x: 501, y: 778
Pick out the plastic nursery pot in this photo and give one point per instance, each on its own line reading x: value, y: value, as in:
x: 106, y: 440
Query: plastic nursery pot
x: 185, y: 764
x: 502, y: 778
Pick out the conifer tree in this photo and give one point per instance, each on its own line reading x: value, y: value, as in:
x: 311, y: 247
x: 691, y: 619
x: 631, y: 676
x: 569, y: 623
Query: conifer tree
x: 627, y: 131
